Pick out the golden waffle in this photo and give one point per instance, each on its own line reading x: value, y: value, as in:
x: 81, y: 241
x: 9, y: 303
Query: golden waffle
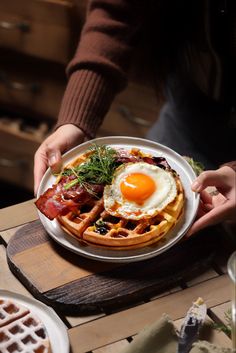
x: 10, y: 312
x: 122, y: 233
x: 78, y: 221
x: 20, y: 330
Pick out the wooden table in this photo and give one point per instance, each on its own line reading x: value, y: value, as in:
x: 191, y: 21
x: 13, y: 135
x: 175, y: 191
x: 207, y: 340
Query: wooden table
x: 110, y: 331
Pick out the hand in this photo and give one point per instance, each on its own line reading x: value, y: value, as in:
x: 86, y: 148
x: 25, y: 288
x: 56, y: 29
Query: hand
x: 215, y: 208
x: 49, y: 152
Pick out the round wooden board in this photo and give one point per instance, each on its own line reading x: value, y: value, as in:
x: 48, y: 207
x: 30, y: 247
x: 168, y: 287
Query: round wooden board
x: 73, y: 284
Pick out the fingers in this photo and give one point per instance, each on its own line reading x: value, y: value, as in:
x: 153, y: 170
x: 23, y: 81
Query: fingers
x: 217, y: 208
x: 205, y: 179
x: 215, y: 216
x: 206, y: 197
x: 205, y: 204
x: 218, y: 200
x: 218, y: 178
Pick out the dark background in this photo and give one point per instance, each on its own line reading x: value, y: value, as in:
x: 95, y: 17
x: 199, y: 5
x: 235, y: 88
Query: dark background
x: 11, y: 194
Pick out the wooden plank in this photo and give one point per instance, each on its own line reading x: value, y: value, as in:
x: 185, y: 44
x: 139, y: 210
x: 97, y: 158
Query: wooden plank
x: 118, y: 326
x: 37, y: 253
x: 220, y: 310
x: 213, y: 336
x: 112, y: 348
x: 207, y: 333
x: 80, y: 320
x: 7, y: 234
x: 66, y: 270
x: 70, y: 286
x: 16, y: 215
x: 203, y: 277
x: 172, y: 290
x: 7, y: 280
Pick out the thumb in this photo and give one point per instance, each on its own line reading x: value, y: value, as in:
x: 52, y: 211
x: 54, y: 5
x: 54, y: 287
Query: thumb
x: 54, y: 160
x: 42, y: 160
x: 207, y: 178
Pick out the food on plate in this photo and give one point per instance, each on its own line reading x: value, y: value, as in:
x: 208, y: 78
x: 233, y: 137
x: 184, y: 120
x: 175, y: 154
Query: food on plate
x: 139, y: 190
x: 21, y: 330
x: 116, y: 198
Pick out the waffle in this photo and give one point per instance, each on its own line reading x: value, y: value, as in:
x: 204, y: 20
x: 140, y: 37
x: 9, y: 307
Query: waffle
x: 20, y: 330
x: 120, y: 233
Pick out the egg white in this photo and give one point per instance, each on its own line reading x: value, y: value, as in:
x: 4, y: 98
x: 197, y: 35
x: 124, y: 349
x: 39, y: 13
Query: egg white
x: 166, y: 191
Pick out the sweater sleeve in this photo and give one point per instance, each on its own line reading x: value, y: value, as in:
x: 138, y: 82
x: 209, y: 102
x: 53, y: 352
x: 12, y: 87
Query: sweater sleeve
x: 99, y: 68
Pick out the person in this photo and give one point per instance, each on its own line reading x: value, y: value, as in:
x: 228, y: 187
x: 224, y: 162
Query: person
x: 189, y: 63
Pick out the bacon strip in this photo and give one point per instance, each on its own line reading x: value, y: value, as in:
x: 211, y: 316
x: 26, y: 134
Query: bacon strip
x: 58, y: 201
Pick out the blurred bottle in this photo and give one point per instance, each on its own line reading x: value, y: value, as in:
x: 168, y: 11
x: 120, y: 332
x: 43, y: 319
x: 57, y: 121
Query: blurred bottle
x: 232, y: 274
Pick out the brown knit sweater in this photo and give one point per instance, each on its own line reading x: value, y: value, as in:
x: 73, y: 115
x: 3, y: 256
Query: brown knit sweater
x: 99, y: 68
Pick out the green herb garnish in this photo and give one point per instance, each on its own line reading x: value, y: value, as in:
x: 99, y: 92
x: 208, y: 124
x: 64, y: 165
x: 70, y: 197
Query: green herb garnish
x: 197, y: 166
x: 72, y: 183
x: 99, y: 168
x: 100, y: 223
x: 227, y: 327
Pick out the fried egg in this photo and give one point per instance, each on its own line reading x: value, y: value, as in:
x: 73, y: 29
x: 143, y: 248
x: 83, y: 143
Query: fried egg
x: 139, y: 190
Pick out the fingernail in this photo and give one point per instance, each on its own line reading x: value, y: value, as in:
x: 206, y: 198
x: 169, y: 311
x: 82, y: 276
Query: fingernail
x: 196, y: 186
x: 52, y: 159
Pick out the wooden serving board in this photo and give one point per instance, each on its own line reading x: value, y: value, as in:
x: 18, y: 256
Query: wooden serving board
x: 73, y: 284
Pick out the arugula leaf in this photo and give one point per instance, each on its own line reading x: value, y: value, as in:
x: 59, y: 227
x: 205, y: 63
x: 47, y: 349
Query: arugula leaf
x: 197, y: 166
x: 227, y: 327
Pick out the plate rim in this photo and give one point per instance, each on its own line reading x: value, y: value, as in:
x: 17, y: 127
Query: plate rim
x: 119, y: 140
x: 47, y: 310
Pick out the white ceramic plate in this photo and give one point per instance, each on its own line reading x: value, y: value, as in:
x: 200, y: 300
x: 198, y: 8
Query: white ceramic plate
x: 177, y: 163
x: 56, y: 329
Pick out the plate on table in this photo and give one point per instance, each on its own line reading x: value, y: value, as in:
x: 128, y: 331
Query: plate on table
x: 178, y: 163
x: 56, y: 329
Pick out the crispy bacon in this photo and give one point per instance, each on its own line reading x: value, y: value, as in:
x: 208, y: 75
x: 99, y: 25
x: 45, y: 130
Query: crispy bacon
x: 158, y: 161
x: 58, y: 201
x: 51, y: 204
x: 124, y: 156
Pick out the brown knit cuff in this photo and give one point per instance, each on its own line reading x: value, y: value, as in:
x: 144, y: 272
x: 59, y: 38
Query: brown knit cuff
x: 87, y: 99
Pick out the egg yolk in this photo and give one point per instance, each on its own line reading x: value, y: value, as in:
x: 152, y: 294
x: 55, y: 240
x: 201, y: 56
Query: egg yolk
x: 137, y: 187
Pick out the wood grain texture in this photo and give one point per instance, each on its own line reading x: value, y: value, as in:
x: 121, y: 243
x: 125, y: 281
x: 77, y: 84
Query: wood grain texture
x: 127, y: 323
x: 16, y: 215
x: 113, y: 348
x: 7, y: 280
x: 73, y: 284
x: 220, y: 311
